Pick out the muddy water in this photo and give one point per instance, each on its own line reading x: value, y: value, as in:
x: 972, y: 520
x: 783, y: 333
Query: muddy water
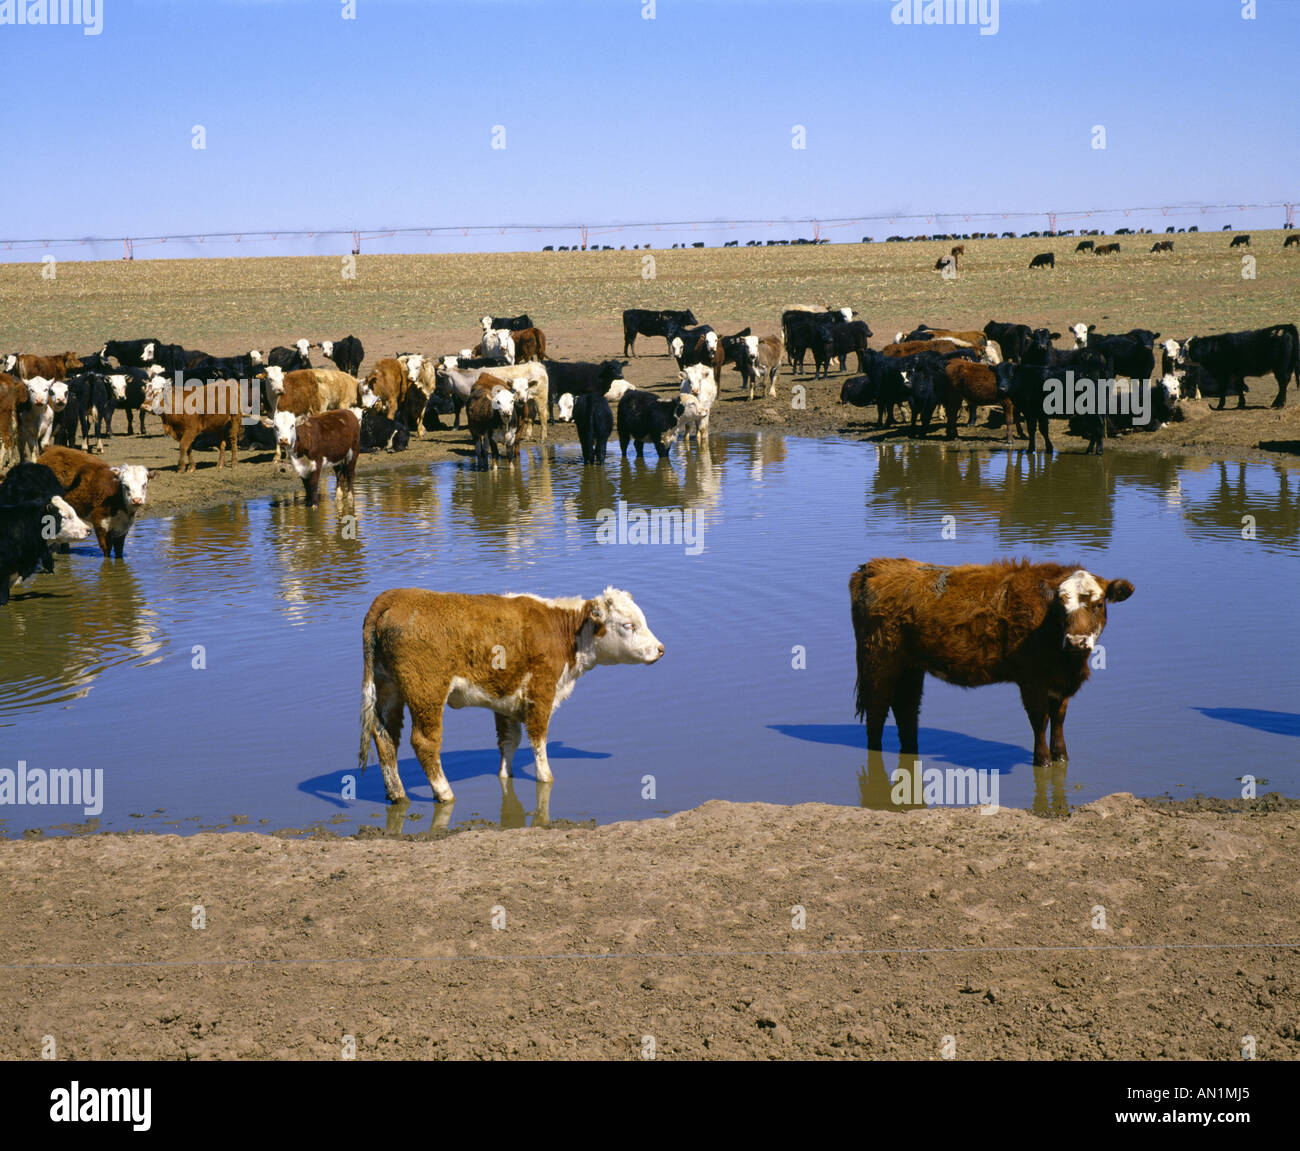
x: 213, y: 676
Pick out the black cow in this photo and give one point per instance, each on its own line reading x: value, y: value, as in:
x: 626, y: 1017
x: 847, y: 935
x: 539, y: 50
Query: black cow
x: 810, y: 332
x: 290, y: 359
x: 644, y: 322
x: 28, y: 483
x: 1084, y: 246
x: 1011, y: 338
x: 171, y: 357
x: 1240, y: 241
x: 130, y: 353
x: 851, y: 337
x: 126, y: 391
x: 1163, y: 246
x: 1233, y: 356
x: 1027, y: 386
x: 580, y: 379
x: 1292, y: 241
x: 1043, y: 260
x: 643, y: 416
x: 346, y: 354
x: 74, y: 416
x: 224, y: 367
x: 926, y: 385
x: 510, y: 323
x: 378, y: 431
x: 881, y: 383
x: 29, y: 528
x: 595, y: 422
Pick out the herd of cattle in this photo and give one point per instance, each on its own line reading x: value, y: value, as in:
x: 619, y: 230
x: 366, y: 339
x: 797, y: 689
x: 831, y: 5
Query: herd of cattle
x: 506, y: 385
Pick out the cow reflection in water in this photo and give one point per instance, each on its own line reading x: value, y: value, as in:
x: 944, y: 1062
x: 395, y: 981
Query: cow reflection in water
x: 73, y: 625
x: 1241, y: 491
x: 510, y: 509
x: 320, y: 554
x: 513, y: 813
x: 1024, y: 495
x: 882, y: 790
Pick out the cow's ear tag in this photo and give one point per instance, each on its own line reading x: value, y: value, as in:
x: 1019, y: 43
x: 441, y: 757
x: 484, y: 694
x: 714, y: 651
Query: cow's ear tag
x: 596, y: 610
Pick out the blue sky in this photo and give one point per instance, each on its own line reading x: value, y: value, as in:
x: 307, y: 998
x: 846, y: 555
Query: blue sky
x: 313, y: 121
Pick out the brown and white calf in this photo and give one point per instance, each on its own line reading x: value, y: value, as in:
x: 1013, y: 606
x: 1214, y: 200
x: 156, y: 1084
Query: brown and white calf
x: 313, y: 443
x: 34, y: 416
x: 215, y: 408
x: 107, y: 498
x: 1034, y: 625
x: 492, y: 415
x: 518, y: 655
x: 49, y: 367
x: 760, y: 360
x: 388, y: 381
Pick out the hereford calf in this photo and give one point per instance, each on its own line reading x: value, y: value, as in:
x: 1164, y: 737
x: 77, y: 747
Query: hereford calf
x: 213, y: 409
x: 518, y: 655
x: 107, y: 498
x: 759, y: 360
x: 388, y: 381
x: 330, y: 439
x: 35, y: 418
x: 49, y: 367
x: 1034, y: 625
x: 493, y: 418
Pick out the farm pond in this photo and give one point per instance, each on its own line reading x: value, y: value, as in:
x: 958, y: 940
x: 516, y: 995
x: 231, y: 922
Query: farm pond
x: 212, y: 679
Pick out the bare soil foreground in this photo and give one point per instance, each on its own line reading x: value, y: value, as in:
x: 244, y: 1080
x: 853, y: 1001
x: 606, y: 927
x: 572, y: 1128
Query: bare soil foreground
x: 918, y: 927
x: 432, y: 304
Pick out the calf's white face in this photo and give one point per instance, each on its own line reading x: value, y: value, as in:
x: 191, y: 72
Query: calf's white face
x: 118, y: 385
x: 751, y: 346
x: 134, y: 479
x: 677, y: 347
x: 1174, y: 350
x: 275, y: 380
x: 711, y: 341
x: 255, y: 358
x: 1083, y: 597
x: 847, y: 313
x: 503, y: 402
x: 486, y: 321
x: 1080, y: 333
x: 615, y: 393
x: 302, y: 346
x: 413, y: 365
x: 11, y: 362
x: 622, y: 634
x: 38, y: 391
x: 1173, y: 391
x: 286, y: 428
x: 58, y: 395
x: 147, y: 354
x: 327, y: 347
x: 564, y: 407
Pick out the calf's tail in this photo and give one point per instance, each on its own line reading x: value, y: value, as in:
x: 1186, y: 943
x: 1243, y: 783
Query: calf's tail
x: 369, y: 720
x: 858, y: 595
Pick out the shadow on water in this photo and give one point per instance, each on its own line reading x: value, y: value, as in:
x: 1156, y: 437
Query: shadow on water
x: 1273, y: 722
x: 952, y: 747
x: 456, y: 766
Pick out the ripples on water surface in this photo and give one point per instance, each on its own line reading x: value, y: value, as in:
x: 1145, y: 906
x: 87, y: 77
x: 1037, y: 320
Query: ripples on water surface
x: 98, y: 662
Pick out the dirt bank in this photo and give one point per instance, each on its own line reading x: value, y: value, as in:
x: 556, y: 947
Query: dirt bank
x: 918, y: 926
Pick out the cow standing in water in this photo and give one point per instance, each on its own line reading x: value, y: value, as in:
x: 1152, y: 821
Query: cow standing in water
x: 1034, y: 625
x: 518, y: 655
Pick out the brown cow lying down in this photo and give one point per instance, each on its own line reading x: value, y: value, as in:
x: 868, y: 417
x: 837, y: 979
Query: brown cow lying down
x: 330, y: 439
x: 1034, y: 625
x: 518, y: 655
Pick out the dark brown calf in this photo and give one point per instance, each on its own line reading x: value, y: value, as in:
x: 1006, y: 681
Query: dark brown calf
x: 330, y: 439
x: 977, y: 384
x: 1034, y: 625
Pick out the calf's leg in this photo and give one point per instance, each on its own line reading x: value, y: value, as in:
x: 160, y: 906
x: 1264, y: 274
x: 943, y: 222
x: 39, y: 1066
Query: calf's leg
x: 388, y: 734
x: 508, y: 735
x: 1057, y: 715
x: 1035, y: 702
x: 537, y: 720
x: 426, y: 738
x: 907, y: 708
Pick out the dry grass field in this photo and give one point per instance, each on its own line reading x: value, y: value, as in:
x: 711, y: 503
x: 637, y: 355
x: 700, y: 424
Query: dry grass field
x: 227, y: 305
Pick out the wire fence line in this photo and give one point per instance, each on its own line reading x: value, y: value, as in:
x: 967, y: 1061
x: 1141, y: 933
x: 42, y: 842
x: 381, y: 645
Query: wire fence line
x: 583, y: 233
